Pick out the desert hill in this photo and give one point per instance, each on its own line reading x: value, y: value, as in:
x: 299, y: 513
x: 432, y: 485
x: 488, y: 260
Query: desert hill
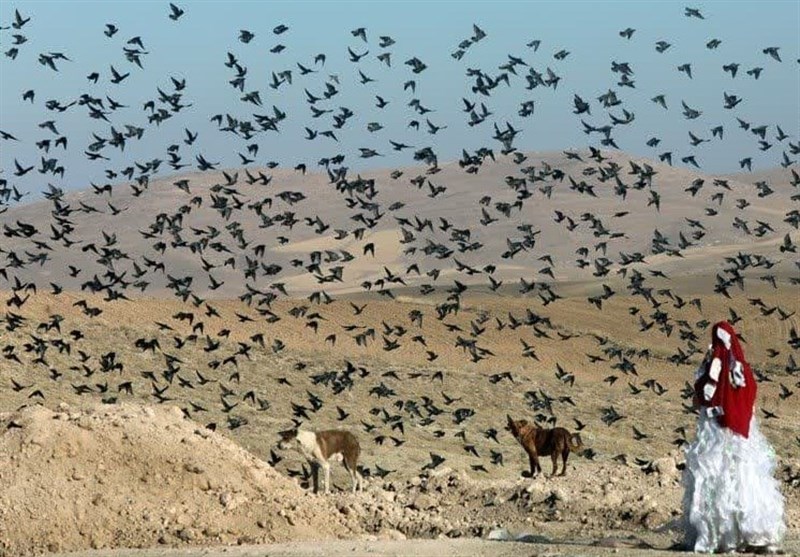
x: 394, y: 220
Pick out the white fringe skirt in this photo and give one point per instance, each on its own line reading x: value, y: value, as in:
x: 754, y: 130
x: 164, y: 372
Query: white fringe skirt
x: 731, y: 498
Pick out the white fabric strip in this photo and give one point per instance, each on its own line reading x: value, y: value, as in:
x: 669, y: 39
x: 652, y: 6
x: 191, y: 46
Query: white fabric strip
x: 716, y: 367
x: 713, y: 373
x: 725, y: 337
x: 737, y: 375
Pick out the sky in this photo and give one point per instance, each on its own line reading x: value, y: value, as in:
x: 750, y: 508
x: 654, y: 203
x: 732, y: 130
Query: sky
x: 195, y: 48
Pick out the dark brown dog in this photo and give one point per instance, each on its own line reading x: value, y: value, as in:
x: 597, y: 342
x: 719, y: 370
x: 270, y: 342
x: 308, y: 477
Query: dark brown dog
x: 544, y: 442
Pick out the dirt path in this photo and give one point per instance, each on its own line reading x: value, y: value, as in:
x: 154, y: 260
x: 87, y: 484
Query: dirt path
x: 382, y: 548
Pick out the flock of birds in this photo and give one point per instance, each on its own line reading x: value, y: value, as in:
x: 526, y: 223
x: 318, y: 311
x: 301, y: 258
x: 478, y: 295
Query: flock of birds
x: 438, y: 245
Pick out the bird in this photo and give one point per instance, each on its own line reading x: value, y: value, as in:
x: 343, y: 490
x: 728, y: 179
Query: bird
x: 435, y: 461
x: 686, y: 68
x: 175, y: 12
x: 772, y: 51
x: 662, y: 46
x: 361, y: 33
x: 693, y: 12
x: 19, y: 20
x: 117, y: 77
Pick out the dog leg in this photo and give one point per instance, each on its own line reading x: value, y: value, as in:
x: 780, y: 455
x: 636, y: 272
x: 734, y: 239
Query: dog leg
x: 351, y: 465
x: 327, y: 468
x: 534, y: 464
x: 352, y: 476
x: 314, y: 475
x: 555, y: 463
x: 536, y: 467
x: 564, y: 456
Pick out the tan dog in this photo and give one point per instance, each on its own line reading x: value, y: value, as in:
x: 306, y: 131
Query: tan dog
x: 321, y: 447
x: 544, y: 442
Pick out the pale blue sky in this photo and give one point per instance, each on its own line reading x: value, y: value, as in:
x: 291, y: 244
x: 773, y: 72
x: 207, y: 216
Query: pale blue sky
x: 195, y: 48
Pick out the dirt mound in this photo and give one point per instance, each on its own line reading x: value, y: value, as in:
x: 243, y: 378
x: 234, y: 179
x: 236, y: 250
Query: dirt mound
x: 133, y: 476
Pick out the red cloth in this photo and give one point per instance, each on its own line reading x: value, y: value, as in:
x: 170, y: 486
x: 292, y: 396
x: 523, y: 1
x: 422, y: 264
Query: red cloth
x: 736, y: 402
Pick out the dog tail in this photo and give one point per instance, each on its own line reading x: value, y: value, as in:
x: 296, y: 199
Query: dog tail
x: 575, y: 441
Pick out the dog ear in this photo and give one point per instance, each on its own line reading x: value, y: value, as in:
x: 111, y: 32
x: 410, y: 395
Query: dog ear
x: 288, y: 435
